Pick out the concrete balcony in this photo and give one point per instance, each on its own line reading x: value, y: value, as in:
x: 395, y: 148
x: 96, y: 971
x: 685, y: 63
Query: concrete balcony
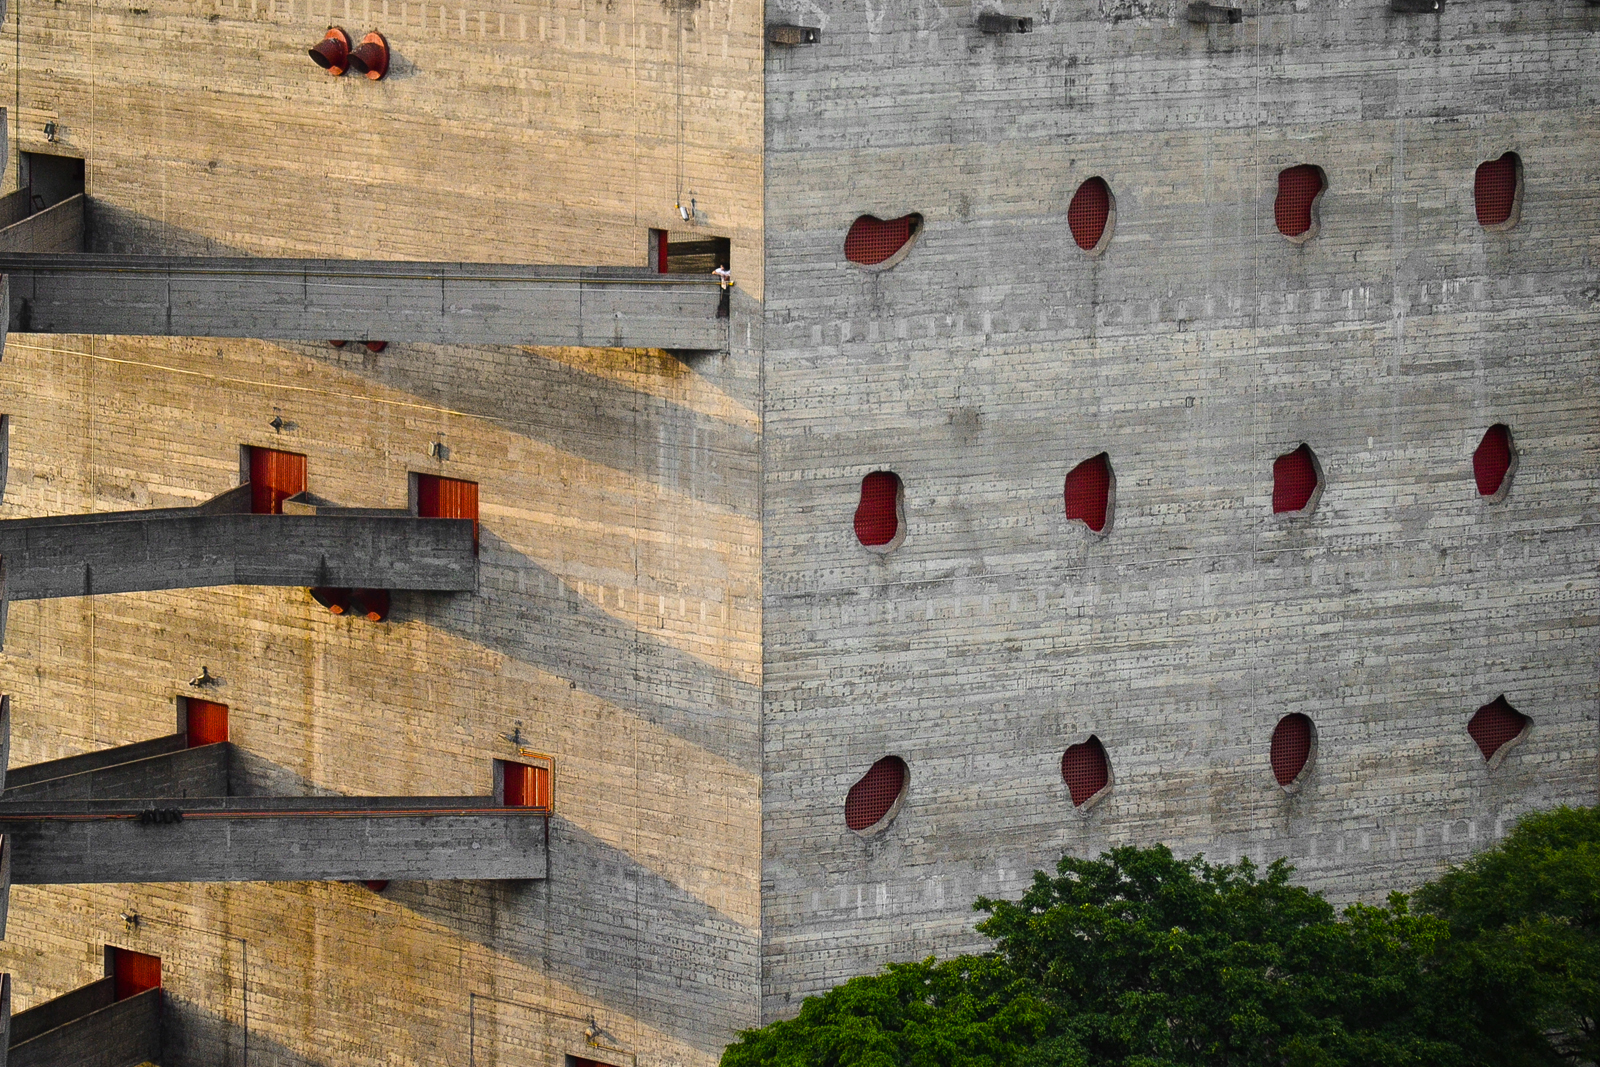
x: 314, y: 300
x: 186, y: 548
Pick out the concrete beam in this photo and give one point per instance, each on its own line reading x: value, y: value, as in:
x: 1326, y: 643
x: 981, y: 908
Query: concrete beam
x: 123, y: 552
x: 315, y: 300
x: 271, y: 839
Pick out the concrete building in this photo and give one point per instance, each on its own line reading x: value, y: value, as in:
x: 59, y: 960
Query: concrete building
x: 971, y: 526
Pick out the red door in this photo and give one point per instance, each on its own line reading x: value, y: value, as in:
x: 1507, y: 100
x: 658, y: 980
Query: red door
x: 448, y: 498
x: 274, y: 477
x: 207, y: 722
x: 527, y: 786
x: 134, y: 972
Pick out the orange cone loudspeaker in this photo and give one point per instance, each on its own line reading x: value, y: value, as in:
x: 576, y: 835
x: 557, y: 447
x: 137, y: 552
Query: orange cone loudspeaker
x: 371, y: 56
x: 332, y: 53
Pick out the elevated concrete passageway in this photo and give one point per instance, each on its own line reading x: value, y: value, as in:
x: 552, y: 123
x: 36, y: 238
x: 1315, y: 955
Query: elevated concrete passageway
x: 313, y: 300
x: 127, y: 815
x: 186, y: 548
x: 91, y: 1026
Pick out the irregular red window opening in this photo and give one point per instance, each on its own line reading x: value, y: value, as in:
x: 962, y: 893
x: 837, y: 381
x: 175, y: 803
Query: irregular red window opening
x: 878, y: 513
x: 1298, y: 189
x: 1088, y: 491
x: 1085, y: 769
x: 1496, y: 724
x: 872, y: 240
x: 870, y: 799
x: 1294, y: 479
x: 1291, y: 748
x: 205, y: 722
x: 1494, y: 190
x: 1492, y: 459
x: 1088, y: 213
x: 274, y: 477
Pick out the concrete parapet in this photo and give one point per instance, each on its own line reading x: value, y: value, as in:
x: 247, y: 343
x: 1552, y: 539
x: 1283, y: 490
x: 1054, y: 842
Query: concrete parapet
x: 176, y: 548
x: 57, y: 229
x: 309, y: 300
x: 87, y: 1026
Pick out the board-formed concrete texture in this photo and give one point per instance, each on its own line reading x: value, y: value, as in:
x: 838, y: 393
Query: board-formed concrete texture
x: 1197, y: 346
x: 671, y: 600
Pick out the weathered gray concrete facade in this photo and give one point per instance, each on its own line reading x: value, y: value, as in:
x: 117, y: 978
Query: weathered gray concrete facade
x: 1197, y: 347
x: 668, y: 596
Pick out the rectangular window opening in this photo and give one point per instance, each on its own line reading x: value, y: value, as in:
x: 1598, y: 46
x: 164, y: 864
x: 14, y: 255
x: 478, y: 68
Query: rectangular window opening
x: 204, y: 721
x: 273, y: 477
x: 438, y: 497
x: 693, y: 253
x: 134, y: 972
x: 50, y: 179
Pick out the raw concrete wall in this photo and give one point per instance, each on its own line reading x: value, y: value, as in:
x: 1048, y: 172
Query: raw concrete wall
x: 616, y: 625
x: 1198, y: 347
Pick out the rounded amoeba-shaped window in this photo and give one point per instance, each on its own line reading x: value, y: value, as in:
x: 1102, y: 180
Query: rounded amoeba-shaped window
x: 1088, y: 492
x: 873, y: 801
x: 1294, y: 743
x: 880, y: 513
x: 875, y: 242
x: 1086, y: 770
x: 1495, y: 726
x: 1295, y: 209
x: 1296, y: 481
x: 1497, y: 192
x: 1494, y: 462
x: 1091, y: 214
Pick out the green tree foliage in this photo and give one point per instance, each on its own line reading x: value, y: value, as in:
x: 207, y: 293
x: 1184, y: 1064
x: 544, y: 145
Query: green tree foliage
x: 1140, y: 959
x: 1525, y: 939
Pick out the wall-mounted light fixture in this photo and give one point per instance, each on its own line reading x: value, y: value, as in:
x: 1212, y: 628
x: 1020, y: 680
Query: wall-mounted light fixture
x: 204, y: 678
x: 332, y: 53
x: 438, y: 450
x: 786, y: 34
x: 994, y: 22
x: 50, y: 130
x: 277, y: 423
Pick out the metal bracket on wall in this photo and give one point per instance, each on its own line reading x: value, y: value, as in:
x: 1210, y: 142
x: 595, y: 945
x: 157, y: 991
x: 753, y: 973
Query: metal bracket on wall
x: 784, y: 33
x: 994, y: 22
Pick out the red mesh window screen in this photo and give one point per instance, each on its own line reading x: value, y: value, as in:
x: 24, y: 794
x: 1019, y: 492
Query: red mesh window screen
x: 448, y: 498
x: 1088, y: 491
x: 1495, y: 190
x: 1294, y: 479
x: 1088, y: 213
x: 878, y: 513
x: 1085, y: 770
x: 134, y: 972
x: 1492, y: 459
x: 1298, y: 187
x: 371, y: 603
x: 337, y: 601
x: 527, y: 786
x: 1493, y: 725
x: 206, y: 722
x: 1291, y: 747
x: 274, y: 477
x: 870, y: 799
x: 873, y: 240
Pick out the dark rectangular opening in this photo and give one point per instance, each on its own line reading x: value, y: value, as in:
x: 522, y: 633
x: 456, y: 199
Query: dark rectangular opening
x: 50, y: 179
x: 696, y: 255
x: 134, y: 972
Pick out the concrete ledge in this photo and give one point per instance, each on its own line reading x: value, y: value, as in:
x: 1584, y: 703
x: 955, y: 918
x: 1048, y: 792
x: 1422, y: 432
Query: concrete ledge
x: 131, y: 551
x: 269, y: 839
x: 314, y: 300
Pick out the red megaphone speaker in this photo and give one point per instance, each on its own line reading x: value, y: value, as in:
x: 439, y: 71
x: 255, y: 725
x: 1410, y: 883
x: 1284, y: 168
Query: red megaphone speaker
x: 332, y: 53
x: 371, y: 56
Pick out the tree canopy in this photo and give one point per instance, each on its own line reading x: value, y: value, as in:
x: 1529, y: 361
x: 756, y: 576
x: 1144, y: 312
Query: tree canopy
x: 1141, y: 959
